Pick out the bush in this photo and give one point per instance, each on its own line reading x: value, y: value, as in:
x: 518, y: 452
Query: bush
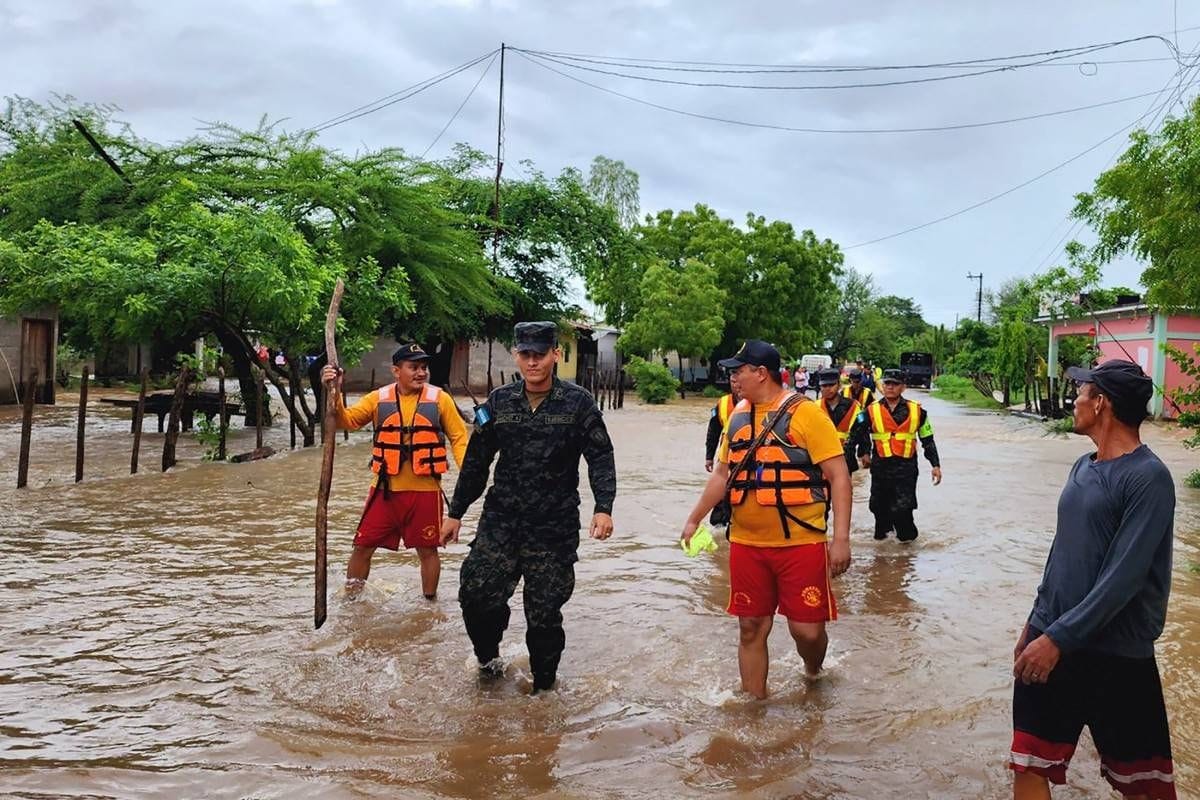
x: 1193, y: 479
x: 962, y: 390
x: 1064, y: 425
x: 712, y: 392
x: 655, y: 383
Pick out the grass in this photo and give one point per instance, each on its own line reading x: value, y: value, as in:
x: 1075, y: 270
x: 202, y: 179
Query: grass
x: 1193, y: 479
x: 962, y: 391
x: 712, y: 392
x: 1064, y: 426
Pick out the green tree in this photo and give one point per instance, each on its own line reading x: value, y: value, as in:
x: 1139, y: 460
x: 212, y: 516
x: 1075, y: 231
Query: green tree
x: 681, y: 311
x: 615, y: 186
x: 854, y: 294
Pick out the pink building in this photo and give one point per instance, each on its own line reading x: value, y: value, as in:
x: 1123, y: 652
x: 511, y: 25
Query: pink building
x: 1135, y: 333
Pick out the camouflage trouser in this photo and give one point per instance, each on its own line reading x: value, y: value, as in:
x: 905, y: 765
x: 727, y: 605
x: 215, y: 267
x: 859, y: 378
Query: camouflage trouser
x: 497, y: 561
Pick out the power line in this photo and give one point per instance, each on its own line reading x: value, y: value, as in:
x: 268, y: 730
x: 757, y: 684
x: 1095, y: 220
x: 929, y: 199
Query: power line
x: 869, y: 67
x: 395, y: 97
x: 1019, y: 186
x: 1044, y: 58
x: 736, y: 68
x: 800, y: 129
x: 461, y: 105
x: 1159, y: 114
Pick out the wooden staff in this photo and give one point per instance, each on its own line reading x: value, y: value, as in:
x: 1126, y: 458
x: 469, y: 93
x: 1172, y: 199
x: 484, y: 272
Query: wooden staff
x: 329, y: 431
x: 223, y: 427
x: 139, y: 414
x: 83, y: 387
x: 168, y: 456
x: 26, y: 430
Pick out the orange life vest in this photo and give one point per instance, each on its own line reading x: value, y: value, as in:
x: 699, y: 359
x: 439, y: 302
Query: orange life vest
x: 847, y: 422
x: 420, y: 441
x: 782, y: 474
x: 725, y: 409
x: 894, y: 439
x: 864, y: 396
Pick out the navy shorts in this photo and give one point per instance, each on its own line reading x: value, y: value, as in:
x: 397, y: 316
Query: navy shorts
x: 1119, y: 699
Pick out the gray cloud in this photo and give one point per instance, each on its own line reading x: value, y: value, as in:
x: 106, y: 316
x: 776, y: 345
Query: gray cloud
x: 171, y: 65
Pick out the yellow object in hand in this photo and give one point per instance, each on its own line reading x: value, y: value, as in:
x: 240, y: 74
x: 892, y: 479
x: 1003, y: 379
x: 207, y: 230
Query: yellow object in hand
x: 702, y: 540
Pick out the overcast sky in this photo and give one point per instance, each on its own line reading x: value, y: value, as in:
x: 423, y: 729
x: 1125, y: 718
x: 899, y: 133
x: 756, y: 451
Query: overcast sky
x: 171, y: 65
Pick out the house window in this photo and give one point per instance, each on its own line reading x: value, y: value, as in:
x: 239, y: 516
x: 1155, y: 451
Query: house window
x: 566, y: 348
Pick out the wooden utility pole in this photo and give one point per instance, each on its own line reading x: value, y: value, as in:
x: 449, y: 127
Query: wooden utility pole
x: 26, y: 430
x: 83, y: 389
x: 139, y: 413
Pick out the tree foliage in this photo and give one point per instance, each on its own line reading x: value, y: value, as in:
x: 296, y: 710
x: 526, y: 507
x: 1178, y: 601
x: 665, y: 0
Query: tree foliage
x: 681, y: 312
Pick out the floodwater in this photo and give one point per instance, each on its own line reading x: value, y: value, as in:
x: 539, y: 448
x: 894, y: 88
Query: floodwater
x: 157, y: 636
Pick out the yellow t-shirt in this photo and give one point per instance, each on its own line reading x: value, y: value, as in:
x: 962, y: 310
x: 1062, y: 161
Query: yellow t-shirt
x: 363, y: 413
x: 758, y: 525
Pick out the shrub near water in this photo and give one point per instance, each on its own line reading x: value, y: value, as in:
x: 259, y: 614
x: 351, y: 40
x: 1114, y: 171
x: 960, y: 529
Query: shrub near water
x: 655, y: 383
x: 713, y: 393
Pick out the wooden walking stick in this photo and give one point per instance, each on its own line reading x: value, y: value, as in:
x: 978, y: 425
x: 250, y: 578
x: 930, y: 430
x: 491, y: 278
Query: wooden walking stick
x: 329, y: 429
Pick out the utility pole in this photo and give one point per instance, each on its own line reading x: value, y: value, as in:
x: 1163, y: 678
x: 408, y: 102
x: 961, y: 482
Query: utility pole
x: 978, y: 296
x: 499, y: 168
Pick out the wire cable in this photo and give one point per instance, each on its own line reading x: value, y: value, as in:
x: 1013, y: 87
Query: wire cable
x: 1048, y: 57
x: 862, y: 67
x: 801, y: 129
x: 461, y: 105
x: 1023, y: 184
x: 395, y: 97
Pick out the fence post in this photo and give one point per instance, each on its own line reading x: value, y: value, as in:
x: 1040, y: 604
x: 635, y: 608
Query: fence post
x: 258, y: 406
x: 223, y: 425
x: 621, y: 388
x: 83, y: 390
x: 26, y: 430
x: 139, y: 414
x: 168, y: 457
x: 345, y: 431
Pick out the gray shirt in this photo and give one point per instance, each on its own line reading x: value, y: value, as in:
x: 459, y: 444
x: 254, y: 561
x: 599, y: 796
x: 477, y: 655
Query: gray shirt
x: 1108, y: 574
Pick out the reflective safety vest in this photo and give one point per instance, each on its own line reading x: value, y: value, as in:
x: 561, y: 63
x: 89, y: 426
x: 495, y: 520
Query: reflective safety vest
x: 782, y: 474
x: 847, y: 422
x: 892, y: 438
x: 420, y: 441
x: 725, y: 409
x: 863, y: 398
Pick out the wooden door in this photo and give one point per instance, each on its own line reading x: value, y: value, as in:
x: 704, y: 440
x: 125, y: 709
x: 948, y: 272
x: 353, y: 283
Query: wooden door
x: 37, y: 353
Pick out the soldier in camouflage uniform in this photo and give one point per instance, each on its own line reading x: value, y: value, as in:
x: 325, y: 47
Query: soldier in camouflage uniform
x: 529, y: 528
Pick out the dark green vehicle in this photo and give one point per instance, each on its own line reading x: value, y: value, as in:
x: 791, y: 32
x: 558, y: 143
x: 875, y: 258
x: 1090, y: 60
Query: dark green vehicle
x: 918, y: 369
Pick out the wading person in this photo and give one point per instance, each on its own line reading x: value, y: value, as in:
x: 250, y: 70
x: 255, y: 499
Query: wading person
x: 717, y: 421
x: 1086, y: 654
x: 413, y: 420
x: 856, y: 390
x: 529, y: 528
x: 895, y: 425
x: 847, y: 417
x: 780, y: 464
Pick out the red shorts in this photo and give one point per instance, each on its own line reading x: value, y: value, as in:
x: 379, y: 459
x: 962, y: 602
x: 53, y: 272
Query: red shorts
x: 412, y: 517
x: 794, y: 580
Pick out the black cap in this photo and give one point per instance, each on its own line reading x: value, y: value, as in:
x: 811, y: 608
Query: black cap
x: 1119, y: 379
x: 410, y: 351
x: 856, y: 373
x: 893, y: 376
x: 829, y: 377
x: 755, y: 352
x: 537, y: 337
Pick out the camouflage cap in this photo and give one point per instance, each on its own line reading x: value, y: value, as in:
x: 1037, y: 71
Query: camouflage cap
x: 537, y: 337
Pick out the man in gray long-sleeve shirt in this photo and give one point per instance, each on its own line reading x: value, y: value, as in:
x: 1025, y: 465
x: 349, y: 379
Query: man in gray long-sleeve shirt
x: 1086, y: 655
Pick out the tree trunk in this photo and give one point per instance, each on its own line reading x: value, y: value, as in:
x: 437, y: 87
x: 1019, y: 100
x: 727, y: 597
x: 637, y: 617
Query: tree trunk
x: 679, y: 358
x: 242, y: 367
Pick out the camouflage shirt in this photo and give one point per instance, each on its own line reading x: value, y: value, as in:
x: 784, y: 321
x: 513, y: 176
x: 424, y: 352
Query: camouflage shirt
x: 537, y: 475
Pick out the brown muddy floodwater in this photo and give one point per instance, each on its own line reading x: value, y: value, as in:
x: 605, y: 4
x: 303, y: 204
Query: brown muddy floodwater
x: 157, y: 637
